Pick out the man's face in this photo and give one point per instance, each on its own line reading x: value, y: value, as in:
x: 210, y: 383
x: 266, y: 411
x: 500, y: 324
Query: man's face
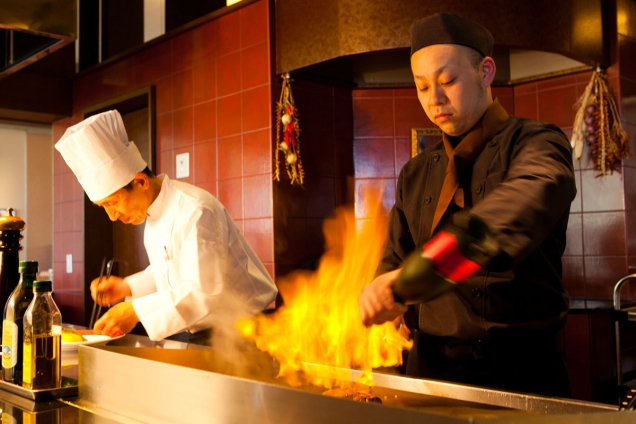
x: 449, y: 87
x: 128, y: 206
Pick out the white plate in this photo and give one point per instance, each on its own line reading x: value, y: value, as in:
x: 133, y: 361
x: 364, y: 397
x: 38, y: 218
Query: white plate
x: 90, y: 339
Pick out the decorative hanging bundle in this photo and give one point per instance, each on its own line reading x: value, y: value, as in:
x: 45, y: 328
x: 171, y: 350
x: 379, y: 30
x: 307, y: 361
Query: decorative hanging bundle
x: 597, y: 122
x: 287, y: 124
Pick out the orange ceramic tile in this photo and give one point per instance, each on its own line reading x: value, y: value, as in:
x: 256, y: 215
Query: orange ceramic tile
x: 601, y: 193
x: 408, y: 115
x: 182, y: 51
x: 78, y: 248
x: 526, y: 106
x: 190, y: 150
x: 508, y: 103
x: 601, y: 275
x: 527, y: 88
x: 576, y: 205
x: 409, y: 93
x: 165, y: 160
x: 402, y: 153
x: 257, y: 195
x: 229, y: 115
x: 183, y: 127
x: 372, y: 117
x: 630, y: 231
x: 204, y: 167
x: 229, y: 34
x: 577, y: 337
x: 57, y: 218
x: 163, y: 94
x: 269, y: 266
x: 182, y: 89
x: 604, y: 234
x: 583, y: 77
x: 573, y: 276
x: 556, y: 106
x: 67, y: 216
x: 574, y: 243
x: 385, y: 93
x: 259, y: 234
x: 205, y: 121
x: 209, y: 186
x: 230, y: 157
x: 556, y: 82
x: 78, y: 215
x: 68, y: 187
x: 374, y: 158
x: 143, y: 74
x: 629, y: 187
x: 228, y: 74
x: 165, y: 134
x: 255, y: 66
x: 254, y: 25
x: 256, y: 108
x: 257, y: 152
x: 231, y: 195
x: 321, y: 197
x: 204, y: 81
x: 57, y: 187
x: 204, y: 42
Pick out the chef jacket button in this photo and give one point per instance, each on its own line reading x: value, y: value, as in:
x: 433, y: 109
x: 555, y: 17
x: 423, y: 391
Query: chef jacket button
x: 476, y: 292
x: 435, y: 157
x: 478, y: 190
x: 427, y: 200
x: 492, y: 143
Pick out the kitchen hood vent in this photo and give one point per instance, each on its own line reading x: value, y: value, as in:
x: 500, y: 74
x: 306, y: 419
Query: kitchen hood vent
x: 33, y: 29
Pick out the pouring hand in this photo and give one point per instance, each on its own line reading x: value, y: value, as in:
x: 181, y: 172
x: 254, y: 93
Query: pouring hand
x: 377, y: 304
x: 119, y: 320
x: 114, y: 289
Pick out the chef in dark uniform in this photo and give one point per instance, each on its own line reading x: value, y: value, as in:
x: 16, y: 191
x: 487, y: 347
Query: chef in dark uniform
x: 502, y: 327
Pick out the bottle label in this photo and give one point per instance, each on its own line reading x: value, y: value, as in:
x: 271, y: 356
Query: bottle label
x: 27, y: 372
x: 9, y: 344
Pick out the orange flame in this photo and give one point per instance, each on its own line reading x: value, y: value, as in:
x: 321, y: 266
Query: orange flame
x: 319, y: 330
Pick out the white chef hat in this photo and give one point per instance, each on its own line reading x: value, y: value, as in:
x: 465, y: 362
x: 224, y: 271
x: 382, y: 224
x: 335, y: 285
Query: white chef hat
x: 98, y: 152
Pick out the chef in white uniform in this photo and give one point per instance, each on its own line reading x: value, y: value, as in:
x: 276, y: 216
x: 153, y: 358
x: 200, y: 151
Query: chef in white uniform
x: 200, y: 263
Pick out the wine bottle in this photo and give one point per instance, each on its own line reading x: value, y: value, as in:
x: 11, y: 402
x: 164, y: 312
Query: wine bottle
x: 12, y: 326
x: 458, y: 251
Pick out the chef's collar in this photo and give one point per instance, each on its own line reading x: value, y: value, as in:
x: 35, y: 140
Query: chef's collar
x: 156, y: 206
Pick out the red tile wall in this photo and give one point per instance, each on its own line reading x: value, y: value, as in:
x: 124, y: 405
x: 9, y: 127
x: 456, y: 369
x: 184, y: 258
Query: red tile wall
x: 213, y: 100
x: 326, y: 122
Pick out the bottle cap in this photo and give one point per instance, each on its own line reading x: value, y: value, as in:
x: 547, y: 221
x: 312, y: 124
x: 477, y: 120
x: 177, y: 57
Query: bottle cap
x: 10, y: 222
x: 42, y: 286
x: 28, y: 267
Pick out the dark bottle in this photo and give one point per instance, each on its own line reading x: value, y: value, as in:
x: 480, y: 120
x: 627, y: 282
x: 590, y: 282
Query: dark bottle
x: 455, y: 253
x: 10, y: 236
x: 12, y: 327
x: 42, y: 367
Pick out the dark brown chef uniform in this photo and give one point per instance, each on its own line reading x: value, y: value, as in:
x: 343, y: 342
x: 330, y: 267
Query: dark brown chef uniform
x: 501, y: 328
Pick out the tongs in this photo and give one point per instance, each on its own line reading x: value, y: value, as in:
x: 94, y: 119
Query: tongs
x: 100, y: 300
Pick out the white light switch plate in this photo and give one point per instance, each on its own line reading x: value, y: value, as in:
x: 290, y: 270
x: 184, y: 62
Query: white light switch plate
x: 69, y: 264
x: 183, y: 165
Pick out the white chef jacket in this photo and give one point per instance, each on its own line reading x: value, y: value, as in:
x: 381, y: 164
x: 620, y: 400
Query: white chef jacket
x: 198, y: 261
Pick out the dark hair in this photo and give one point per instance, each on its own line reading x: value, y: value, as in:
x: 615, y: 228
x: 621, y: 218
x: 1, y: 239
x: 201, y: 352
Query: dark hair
x: 475, y: 57
x: 146, y: 171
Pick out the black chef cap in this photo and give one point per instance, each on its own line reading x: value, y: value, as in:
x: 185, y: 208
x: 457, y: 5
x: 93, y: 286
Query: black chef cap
x: 448, y: 28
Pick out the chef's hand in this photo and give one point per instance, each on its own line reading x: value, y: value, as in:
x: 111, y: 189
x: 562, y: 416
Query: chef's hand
x: 119, y: 320
x: 114, y: 289
x: 377, y: 304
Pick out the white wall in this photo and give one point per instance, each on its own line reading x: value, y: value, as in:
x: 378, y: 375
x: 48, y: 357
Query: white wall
x: 26, y: 185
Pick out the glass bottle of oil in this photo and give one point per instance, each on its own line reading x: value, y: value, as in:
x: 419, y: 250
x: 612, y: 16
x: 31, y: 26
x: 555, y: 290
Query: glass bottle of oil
x: 12, y: 326
x: 42, y: 350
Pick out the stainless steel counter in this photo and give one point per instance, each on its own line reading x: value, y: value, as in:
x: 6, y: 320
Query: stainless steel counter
x: 135, y: 380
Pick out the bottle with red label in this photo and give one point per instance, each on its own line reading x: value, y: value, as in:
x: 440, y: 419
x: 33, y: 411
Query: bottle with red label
x: 454, y: 254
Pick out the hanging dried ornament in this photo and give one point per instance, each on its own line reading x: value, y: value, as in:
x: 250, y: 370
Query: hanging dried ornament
x: 287, y: 125
x: 597, y: 122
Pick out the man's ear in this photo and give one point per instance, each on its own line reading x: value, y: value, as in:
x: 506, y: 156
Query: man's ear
x: 488, y: 70
x: 143, y: 180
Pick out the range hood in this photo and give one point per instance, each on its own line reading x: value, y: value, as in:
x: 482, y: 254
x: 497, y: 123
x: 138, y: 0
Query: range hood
x: 33, y: 29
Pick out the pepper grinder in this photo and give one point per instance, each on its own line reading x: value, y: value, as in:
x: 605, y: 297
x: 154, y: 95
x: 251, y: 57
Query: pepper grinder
x: 10, y: 235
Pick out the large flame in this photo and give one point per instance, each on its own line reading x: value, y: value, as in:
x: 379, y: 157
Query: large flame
x: 319, y: 330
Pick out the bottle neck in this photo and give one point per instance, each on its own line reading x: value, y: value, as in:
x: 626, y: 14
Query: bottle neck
x: 27, y: 280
